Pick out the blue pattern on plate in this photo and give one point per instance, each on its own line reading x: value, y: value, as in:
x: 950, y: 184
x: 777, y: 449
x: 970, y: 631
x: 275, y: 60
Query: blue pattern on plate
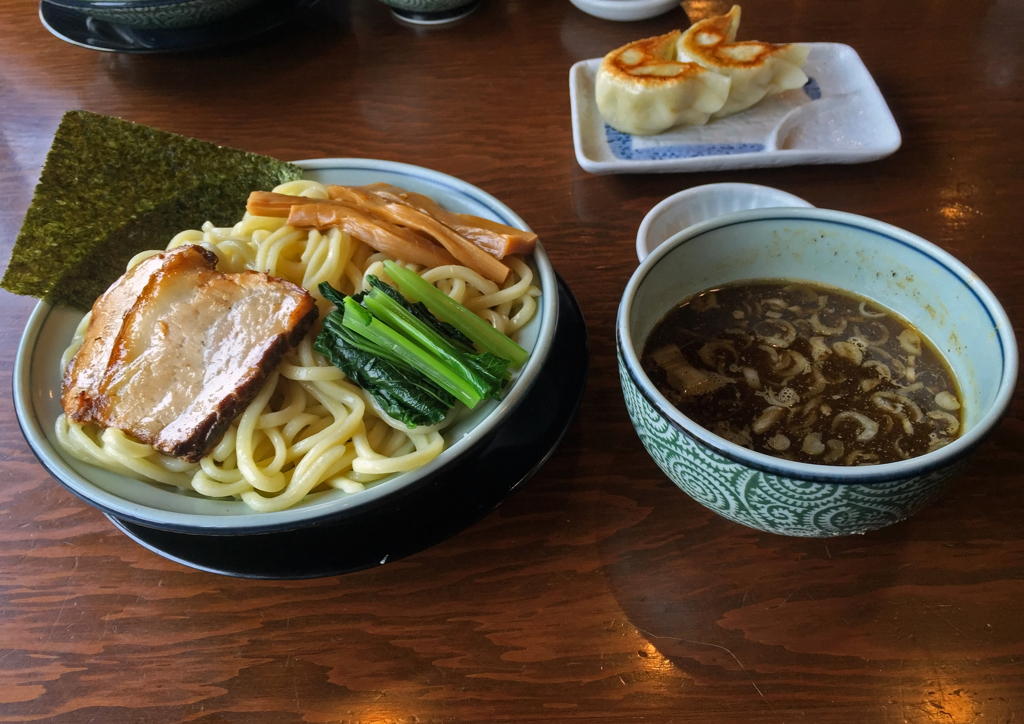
x: 812, y: 89
x: 621, y: 144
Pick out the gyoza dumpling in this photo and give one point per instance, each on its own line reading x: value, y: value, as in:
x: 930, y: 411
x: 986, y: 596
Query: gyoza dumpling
x: 756, y: 69
x: 643, y: 89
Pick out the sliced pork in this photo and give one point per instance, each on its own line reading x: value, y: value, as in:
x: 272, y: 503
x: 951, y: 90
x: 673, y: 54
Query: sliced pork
x: 175, y: 350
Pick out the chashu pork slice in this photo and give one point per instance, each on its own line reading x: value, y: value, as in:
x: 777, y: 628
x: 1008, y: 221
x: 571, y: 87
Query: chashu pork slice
x: 175, y: 350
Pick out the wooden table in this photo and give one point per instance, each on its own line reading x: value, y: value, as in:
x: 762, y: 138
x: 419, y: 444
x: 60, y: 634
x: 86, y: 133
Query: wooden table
x: 598, y: 592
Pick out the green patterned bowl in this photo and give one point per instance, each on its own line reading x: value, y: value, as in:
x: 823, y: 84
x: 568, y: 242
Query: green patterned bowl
x: 895, y: 268
x: 156, y: 14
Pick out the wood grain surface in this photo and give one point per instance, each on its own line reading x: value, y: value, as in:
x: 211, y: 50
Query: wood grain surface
x: 598, y: 592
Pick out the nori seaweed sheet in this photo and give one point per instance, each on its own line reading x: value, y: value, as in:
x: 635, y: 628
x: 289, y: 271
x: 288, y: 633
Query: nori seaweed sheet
x: 112, y: 188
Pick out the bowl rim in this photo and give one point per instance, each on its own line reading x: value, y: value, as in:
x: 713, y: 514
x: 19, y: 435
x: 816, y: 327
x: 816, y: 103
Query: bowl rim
x: 86, y: 5
x: 868, y: 474
x: 246, y: 523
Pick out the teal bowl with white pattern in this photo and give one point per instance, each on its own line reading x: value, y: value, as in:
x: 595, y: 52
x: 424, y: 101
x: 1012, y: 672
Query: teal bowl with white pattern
x: 941, y: 297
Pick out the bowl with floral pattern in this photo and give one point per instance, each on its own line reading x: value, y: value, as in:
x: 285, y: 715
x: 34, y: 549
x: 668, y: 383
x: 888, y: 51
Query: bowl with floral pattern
x: 893, y: 268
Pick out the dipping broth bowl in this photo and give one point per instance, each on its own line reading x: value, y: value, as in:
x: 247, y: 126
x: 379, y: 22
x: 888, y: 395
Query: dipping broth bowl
x: 922, y: 283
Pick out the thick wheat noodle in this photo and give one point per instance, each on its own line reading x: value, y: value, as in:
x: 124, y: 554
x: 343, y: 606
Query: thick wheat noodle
x: 267, y: 478
x: 509, y: 293
x: 211, y: 470
x: 294, y: 404
x: 309, y: 374
x: 215, y: 489
x: 462, y: 274
x: 427, y: 447
x: 524, y: 315
x: 309, y: 429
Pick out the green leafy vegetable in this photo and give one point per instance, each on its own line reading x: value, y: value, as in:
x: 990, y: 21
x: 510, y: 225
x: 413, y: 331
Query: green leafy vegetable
x: 420, y: 311
x: 110, y: 189
x: 418, y: 366
x: 485, y: 373
x: 444, y: 307
x: 400, y: 391
x: 395, y: 346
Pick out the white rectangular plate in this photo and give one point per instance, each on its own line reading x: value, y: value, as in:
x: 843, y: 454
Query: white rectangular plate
x: 840, y: 116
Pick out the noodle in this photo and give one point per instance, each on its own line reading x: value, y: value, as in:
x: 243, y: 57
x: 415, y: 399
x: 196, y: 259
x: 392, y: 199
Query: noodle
x: 309, y: 429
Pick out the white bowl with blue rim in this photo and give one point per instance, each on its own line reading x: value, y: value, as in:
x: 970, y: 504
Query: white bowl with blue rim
x: 38, y: 375
x: 936, y: 293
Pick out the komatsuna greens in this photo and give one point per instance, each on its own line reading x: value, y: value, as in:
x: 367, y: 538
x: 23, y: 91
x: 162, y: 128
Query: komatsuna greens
x: 415, y: 365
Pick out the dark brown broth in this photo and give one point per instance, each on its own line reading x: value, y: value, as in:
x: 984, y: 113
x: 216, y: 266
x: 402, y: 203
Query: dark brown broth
x: 804, y: 372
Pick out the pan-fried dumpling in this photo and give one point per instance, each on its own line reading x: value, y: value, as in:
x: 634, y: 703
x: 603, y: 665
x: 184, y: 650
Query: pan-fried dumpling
x: 756, y: 69
x: 643, y: 89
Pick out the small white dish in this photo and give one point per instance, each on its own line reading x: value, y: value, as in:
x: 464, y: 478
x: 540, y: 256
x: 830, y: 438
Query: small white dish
x: 700, y: 203
x: 625, y: 10
x: 840, y: 116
